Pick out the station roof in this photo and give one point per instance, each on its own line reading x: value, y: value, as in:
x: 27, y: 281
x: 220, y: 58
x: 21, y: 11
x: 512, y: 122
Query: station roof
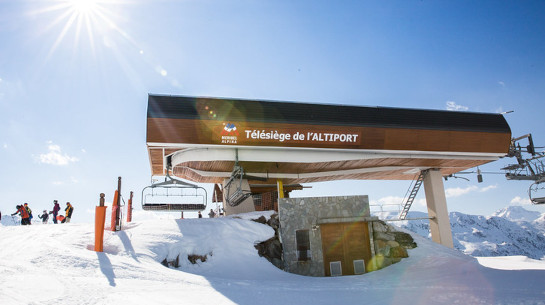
x: 304, y: 142
x: 239, y: 110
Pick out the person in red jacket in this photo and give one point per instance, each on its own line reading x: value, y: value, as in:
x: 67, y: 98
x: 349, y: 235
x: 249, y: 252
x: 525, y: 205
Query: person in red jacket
x: 56, y: 209
x: 24, y: 215
x: 29, y: 211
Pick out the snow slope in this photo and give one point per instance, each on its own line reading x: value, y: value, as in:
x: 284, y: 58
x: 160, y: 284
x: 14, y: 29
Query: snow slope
x: 510, y: 231
x: 517, y: 213
x: 55, y: 266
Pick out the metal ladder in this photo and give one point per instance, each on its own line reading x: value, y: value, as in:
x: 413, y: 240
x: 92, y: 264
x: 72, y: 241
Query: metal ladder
x: 412, y: 195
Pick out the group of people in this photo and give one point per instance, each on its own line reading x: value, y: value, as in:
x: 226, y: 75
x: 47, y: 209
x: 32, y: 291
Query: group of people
x: 26, y: 213
x: 212, y: 213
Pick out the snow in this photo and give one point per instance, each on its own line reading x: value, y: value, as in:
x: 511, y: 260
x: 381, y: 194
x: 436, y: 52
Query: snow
x: 518, y: 262
x: 517, y: 213
x: 55, y: 264
x: 510, y: 231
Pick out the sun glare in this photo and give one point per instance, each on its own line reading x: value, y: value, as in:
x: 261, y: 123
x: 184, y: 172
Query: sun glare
x: 90, y: 20
x: 83, y: 6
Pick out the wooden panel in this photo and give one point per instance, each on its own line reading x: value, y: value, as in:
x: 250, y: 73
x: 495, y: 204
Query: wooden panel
x: 345, y: 242
x: 332, y: 247
x: 161, y: 130
x: 181, y: 131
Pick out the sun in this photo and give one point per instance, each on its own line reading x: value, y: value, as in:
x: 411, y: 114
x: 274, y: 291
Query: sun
x: 91, y: 20
x: 84, y: 6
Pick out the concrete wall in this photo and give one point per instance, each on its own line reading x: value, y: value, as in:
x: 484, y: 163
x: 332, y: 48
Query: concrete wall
x: 307, y: 214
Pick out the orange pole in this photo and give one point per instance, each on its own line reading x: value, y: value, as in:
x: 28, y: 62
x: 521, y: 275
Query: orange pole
x: 115, y: 207
x: 129, y: 209
x: 100, y: 220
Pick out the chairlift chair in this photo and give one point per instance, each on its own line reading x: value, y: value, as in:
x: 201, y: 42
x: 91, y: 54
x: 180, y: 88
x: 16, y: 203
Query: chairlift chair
x: 173, y: 195
x: 535, y: 190
x: 234, y: 194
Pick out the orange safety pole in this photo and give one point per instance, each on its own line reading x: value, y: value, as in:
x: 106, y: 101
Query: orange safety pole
x: 129, y: 209
x: 100, y: 220
x: 115, y: 207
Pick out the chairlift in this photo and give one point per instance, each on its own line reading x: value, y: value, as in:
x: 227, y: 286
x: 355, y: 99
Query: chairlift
x: 173, y: 195
x: 530, y: 166
x: 234, y: 194
x: 536, y: 192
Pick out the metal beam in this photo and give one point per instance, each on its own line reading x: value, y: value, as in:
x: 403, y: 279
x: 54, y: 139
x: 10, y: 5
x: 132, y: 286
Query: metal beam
x: 307, y: 175
x: 309, y: 155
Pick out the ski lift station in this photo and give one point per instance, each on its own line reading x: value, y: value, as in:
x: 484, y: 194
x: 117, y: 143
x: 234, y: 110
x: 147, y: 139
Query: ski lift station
x: 256, y: 152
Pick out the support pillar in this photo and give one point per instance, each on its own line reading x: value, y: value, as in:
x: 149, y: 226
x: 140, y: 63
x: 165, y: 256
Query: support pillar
x: 437, y: 208
x: 280, y: 188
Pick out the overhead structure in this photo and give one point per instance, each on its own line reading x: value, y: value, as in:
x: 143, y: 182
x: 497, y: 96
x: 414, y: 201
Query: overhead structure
x: 206, y: 139
x: 173, y: 195
x: 300, y: 143
x: 529, y: 166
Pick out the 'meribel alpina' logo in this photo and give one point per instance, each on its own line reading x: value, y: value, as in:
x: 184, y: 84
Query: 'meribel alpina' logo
x: 229, y: 134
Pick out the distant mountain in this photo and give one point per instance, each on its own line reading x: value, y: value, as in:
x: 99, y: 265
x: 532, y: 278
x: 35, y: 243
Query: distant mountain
x: 510, y: 231
x: 516, y: 213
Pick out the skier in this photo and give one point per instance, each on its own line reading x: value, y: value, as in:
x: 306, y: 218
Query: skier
x: 211, y: 214
x: 56, y: 209
x: 44, y: 217
x: 68, y: 212
x: 29, y: 213
x: 200, y: 215
x: 24, y: 215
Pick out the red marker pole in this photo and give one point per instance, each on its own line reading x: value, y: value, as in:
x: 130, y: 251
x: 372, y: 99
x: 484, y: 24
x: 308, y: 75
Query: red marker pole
x: 100, y: 220
x: 115, y: 208
x: 129, y: 209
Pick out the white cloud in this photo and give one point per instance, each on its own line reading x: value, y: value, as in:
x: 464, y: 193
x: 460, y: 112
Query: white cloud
x: 83, y: 150
x: 389, y: 200
x: 458, y: 191
x: 452, y: 106
x: 393, y: 203
x: 488, y: 188
x: 5, y: 145
x: 72, y: 180
x: 55, y: 156
x: 521, y: 201
x: 501, y: 83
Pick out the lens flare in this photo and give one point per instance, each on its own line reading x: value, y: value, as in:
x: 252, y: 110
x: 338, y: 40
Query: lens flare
x: 84, y: 6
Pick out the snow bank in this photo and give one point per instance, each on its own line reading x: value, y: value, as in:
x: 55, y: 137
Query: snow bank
x: 55, y: 265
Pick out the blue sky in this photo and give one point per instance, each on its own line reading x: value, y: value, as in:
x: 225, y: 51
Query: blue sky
x: 74, y: 80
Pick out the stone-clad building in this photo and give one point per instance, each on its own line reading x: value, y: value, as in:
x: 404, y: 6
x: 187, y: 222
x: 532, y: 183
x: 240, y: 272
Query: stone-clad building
x: 332, y: 236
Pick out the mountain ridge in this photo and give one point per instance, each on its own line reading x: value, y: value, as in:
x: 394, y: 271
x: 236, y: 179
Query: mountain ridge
x: 509, y: 231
